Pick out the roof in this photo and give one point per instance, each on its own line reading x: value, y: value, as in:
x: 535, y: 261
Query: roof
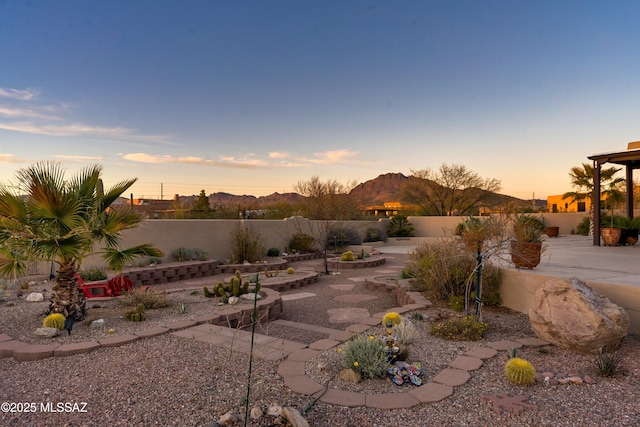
x: 629, y: 157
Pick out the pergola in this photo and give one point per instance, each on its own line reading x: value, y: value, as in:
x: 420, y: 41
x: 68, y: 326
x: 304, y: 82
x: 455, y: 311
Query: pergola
x: 631, y: 160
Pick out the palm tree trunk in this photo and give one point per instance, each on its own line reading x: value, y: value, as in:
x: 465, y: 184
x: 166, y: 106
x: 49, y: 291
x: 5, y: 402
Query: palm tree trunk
x: 66, y: 298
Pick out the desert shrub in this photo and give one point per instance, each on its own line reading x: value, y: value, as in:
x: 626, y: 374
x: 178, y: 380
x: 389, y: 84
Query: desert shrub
x: 182, y: 254
x: 367, y: 355
x: 155, y: 260
x: 302, y: 242
x: 198, y: 254
x: 92, y: 275
x: 273, y: 252
x: 467, y: 328
x: 399, y: 226
x: 583, y: 226
x: 149, y: 299
x: 608, y: 364
x: 373, y: 234
x: 405, y: 331
x: 442, y: 271
x: 246, y: 245
x: 347, y: 256
x: 340, y: 236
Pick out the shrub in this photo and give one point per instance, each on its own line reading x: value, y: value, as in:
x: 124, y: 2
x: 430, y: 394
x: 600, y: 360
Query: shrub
x: 149, y: 299
x: 467, y: 328
x: 155, y: 260
x: 399, y: 226
x: 583, y: 227
x: 182, y: 254
x: 367, y: 355
x: 273, y: 252
x: 55, y: 320
x: 405, y: 331
x: 302, y: 242
x: 198, y: 254
x: 92, y: 275
x: 246, y: 245
x: 374, y: 235
x: 347, y: 256
x: 443, y: 271
x: 340, y: 236
x: 608, y: 364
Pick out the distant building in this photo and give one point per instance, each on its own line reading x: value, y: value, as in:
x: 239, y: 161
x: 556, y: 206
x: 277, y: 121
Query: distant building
x: 390, y: 209
x: 153, y: 208
x: 558, y: 204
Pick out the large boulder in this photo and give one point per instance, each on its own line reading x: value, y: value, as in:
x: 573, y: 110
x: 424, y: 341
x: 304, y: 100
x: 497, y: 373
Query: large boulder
x: 568, y: 313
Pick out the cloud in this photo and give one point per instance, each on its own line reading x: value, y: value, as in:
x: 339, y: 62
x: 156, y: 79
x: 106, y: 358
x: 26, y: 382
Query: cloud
x: 78, y: 129
x: 279, y: 155
x: 224, y: 161
x: 18, y: 94
x: 14, y: 112
x: 10, y: 158
x: 332, y: 157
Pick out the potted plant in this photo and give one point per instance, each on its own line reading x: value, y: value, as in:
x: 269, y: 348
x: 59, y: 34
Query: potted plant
x: 526, y: 245
x: 611, y: 236
x: 630, y: 228
x: 551, y: 230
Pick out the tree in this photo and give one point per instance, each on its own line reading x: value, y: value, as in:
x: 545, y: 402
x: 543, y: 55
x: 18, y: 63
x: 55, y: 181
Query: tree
x: 329, y: 200
x: 49, y: 218
x: 582, y: 180
x: 451, y: 190
x: 201, y: 207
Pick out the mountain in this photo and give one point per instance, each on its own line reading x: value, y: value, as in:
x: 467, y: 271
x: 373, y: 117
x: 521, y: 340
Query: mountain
x: 377, y: 191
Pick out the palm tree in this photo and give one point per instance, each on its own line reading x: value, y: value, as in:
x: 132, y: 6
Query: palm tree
x: 582, y: 182
x: 49, y: 218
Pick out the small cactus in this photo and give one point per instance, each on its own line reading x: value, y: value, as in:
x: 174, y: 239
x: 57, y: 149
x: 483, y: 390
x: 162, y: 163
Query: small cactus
x: 55, y: 320
x: 290, y: 270
x: 520, y: 371
x: 136, y: 315
x: 207, y: 294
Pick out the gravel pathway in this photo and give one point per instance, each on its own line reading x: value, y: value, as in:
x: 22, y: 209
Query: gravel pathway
x: 173, y: 381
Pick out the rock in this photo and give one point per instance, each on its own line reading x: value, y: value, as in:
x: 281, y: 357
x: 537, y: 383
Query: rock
x: 47, y: 332
x: 575, y: 380
x: 251, y: 296
x: 274, y: 410
x: 229, y: 419
x: 256, y: 413
x: 293, y: 416
x: 98, y: 323
x: 35, y: 297
x: 233, y: 300
x: 349, y: 375
x: 568, y: 313
x: 589, y: 380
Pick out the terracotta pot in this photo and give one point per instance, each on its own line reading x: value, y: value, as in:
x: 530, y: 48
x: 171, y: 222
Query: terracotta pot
x: 629, y: 236
x: 610, y: 236
x: 552, y: 231
x: 525, y: 254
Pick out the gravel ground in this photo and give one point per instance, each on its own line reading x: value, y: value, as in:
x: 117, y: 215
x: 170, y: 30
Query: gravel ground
x: 174, y: 381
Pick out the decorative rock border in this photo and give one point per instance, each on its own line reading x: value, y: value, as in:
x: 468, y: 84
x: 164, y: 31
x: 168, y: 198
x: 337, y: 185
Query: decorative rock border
x: 358, y: 263
x: 270, y: 307
x: 292, y: 370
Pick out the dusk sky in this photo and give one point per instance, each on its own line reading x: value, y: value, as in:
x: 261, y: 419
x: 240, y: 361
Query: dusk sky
x: 250, y: 97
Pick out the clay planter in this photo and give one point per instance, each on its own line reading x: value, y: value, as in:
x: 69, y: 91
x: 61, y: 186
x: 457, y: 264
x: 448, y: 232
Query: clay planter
x: 525, y: 254
x: 610, y: 236
x: 552, y: 231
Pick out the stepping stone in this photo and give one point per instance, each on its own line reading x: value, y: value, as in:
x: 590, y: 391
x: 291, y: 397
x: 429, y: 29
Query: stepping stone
x: 431, y: 392
x: 466, y: 363
x: 300, y: 295
x: 345, y: 288
x: 347, y: 314
x: 482, y: 352
x: 324, y: 344
x: 291, y: 368
x: 341, y: 336
x: 303, y: 355
x: 34, y: 352
x: 354, y: 298
x: 452, y: 377
x: 358, y: 328
x: 504, y: 345
x: 302, y: 384
x: 390, y: 401
x: 75, y: 348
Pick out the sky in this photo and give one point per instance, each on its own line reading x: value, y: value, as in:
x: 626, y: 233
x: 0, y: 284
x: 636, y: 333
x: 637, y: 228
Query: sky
x: 254, y: 96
